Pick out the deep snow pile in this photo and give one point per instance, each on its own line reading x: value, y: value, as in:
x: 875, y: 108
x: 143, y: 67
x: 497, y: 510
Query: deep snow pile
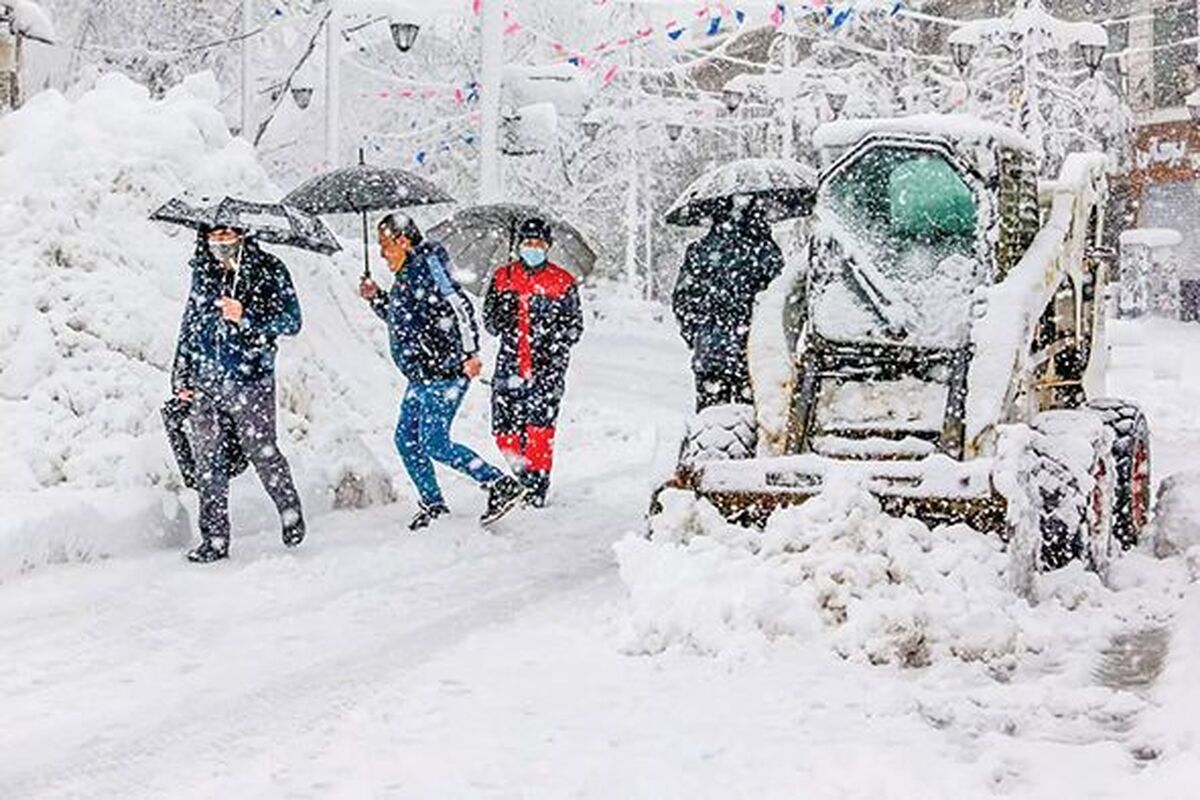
x: 90, y: 306
x: 840, y: 573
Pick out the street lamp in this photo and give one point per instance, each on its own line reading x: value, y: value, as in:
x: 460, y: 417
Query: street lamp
x: 404, y: 35
x: 962, y: 53
x: 836, y: 101
x: 733, y: 99
x: 674, y: 131
x: 1093, y: 55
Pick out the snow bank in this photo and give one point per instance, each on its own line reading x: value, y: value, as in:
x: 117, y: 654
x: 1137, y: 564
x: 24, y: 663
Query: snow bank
x: 1177, y: 516
x: 93, y: 293
x: 840, y: 574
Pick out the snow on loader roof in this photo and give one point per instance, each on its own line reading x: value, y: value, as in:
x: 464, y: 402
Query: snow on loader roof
x: 959, y: 128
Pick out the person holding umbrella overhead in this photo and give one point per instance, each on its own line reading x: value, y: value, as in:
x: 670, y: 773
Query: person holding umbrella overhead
x: 435, y: 344
x: 533, y: 306
x: 724, y: 272
x: 242, y: 300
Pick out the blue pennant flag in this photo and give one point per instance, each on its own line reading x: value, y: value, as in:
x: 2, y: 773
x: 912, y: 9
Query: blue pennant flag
x: 675, y: 34
x: 714, y: 26
x: 420, y: 156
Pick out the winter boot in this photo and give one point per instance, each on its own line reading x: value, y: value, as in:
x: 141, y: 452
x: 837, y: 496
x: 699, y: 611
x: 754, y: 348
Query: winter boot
x: 537, y: 487
x: 503, y: 496
x: 210, y: 550
x: 426, y: 515
x: 293, y: 529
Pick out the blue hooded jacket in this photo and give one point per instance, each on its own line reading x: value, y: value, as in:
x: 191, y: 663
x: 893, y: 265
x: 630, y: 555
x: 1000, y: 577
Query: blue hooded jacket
x: 430, y: 319
x: 212, y: 352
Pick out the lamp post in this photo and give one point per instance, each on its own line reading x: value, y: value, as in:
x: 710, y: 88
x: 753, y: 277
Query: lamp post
x: 1028, y: 31
x: 404, y: 36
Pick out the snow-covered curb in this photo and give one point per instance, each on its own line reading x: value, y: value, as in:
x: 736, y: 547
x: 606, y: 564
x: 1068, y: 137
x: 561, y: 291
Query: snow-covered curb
x: 56, y: 526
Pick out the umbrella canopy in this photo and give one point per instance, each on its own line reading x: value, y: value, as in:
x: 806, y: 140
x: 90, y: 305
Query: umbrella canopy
x: 782, y: 189
x: 480, y: 238
x: 353, y: 190
x: 363, y: 188
x: 267, y: 222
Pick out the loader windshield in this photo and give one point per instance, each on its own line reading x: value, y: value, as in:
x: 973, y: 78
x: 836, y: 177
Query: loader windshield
x: 898, y: 250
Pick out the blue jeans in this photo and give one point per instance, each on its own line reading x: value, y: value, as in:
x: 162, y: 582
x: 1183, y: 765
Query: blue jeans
x: 423, y: 436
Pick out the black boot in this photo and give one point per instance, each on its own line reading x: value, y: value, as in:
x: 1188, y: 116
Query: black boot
x: 537, y: 487
x: 503, y: 496
x: 210, y: 550
x: 293, y: 529
x: 426, y: 515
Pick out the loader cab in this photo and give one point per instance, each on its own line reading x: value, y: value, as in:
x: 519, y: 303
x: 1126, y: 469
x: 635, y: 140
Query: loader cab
x: 909, y: 228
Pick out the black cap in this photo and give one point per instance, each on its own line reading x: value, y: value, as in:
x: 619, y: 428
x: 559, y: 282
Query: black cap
x: 535, y: 228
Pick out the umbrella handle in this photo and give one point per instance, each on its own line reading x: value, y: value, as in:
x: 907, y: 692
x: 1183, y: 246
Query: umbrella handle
x: 366, y: 249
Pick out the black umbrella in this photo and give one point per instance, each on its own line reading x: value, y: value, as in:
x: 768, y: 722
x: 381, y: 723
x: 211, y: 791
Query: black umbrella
x: 267, y: 222
x: 479, y: 238
x: 783, y: 190
x: 362, y: 188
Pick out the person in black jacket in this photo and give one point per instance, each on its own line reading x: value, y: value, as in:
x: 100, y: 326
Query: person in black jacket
x: 241, y: 302
x: 533, y: 306
x: 435, y: 344
x: 721, y: 277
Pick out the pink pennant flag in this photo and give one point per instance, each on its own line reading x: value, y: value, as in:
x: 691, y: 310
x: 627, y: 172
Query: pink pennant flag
x: 458, y: 97
x: 611, y: 74
x: 477, y: 6
x: 512, y: 28
x: 777, y: 16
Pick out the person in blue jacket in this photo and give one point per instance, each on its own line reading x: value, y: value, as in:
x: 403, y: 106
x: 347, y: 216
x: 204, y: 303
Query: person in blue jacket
x: 242, y: 300
x: 435, y: 344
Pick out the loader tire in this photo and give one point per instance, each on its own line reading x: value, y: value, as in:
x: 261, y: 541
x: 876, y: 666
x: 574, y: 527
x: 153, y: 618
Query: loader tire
x: 721, y: 433
x: 1061, y: 512
x: 1131, y: 462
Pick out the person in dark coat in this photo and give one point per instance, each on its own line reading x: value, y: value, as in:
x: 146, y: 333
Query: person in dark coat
x: 242, y: 300
x: 435, y: 344
x: 721, y: 277
x: 533, y: 306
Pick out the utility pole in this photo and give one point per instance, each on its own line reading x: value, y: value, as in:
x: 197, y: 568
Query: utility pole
x: 10, y: 61
x: 491, y: 34
x: 332, y: 86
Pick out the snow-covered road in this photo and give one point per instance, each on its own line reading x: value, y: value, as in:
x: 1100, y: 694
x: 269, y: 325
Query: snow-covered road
x: 372, y: 663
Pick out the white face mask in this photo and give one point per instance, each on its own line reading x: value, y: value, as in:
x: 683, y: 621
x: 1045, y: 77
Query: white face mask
x: 227, y: 254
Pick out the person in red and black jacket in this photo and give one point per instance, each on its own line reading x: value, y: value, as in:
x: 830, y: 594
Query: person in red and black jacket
x: 532, y: 305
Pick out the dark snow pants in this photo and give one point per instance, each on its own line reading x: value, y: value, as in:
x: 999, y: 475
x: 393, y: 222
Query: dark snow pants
x: 721, y: 366
x: 247, y: 409
x: 524, y: 415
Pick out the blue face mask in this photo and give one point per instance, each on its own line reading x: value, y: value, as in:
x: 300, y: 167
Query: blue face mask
x: 533, y: 256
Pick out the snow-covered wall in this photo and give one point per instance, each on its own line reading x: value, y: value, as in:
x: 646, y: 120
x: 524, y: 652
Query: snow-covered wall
x: 91, y: 300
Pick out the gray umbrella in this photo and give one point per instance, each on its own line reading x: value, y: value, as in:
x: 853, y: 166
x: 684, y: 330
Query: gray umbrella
x: 267, y: 222
x: 782, y: 189
x: 362, y: 188
x: 480, y: 238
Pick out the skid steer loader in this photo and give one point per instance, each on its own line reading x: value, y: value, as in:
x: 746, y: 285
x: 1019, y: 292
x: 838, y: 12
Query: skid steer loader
x: 949, y: 350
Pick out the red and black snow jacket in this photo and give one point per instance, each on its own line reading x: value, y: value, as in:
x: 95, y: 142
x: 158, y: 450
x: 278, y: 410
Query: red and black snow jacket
x: 535, y: 312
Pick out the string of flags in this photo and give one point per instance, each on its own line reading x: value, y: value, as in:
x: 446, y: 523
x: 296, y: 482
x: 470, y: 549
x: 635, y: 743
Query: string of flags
x: 463, y: 95
x: 716, y: 18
